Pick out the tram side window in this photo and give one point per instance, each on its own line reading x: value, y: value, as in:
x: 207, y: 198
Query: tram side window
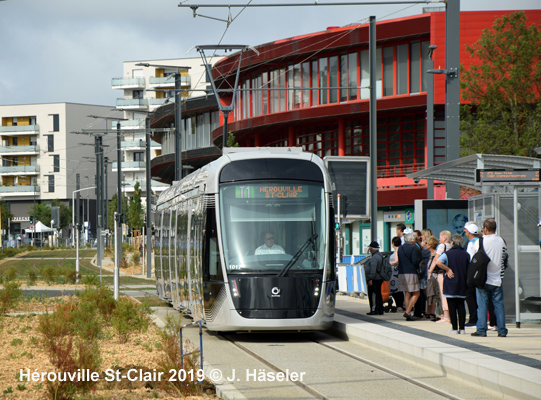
x: 211, y: 247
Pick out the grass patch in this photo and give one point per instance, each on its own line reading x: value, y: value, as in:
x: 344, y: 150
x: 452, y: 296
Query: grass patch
x: 153, y: 301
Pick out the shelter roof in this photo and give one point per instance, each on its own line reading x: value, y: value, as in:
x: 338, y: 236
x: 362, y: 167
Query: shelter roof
x: 463, y: 170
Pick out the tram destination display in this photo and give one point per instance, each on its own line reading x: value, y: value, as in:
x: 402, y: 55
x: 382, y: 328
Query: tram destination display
x: 508, y: 177
x: 350, y: 178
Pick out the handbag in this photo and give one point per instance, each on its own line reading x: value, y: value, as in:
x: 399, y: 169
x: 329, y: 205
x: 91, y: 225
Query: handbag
x: 477, y: 270
x: 423, y: 265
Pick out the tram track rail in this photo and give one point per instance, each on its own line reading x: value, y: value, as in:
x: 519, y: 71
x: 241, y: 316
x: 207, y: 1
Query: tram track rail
x: 361, y: 360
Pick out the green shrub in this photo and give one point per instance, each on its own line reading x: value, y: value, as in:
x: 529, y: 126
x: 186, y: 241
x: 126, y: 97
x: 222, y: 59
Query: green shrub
x: 9, y: 297
x: 48, y: 273
x: 90, y: 280
x: 11, y: 273
x: 128, y: 317
x: 32, y: 277
x: 102, y: 297
x: 170, y: 360
x: 10, y: 251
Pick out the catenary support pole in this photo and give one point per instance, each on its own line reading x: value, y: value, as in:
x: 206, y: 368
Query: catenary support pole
x: 373, y: 132
x: 148, y: 246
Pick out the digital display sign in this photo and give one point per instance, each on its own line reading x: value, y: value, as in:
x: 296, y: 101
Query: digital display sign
x: 350, y: 178
x: 271, y: 191
x: 509, y: 177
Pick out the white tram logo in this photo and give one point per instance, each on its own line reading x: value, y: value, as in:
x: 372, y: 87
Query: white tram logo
x: 275, y: 292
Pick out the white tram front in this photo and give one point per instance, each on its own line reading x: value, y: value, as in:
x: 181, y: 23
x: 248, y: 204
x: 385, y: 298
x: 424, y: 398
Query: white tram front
x: 246, y: 242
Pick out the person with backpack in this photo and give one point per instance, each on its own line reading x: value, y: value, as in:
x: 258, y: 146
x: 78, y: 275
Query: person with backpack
x: 374, y: 279
x: 409, y: 257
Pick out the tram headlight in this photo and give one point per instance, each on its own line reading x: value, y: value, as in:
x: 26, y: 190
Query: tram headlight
x: 316, y: 290
x: 235, y: 289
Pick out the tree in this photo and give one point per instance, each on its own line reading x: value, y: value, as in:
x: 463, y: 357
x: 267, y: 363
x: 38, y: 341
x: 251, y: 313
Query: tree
x: 502, y: 89
x: 135, y: 210
x: 6, y: 213
x: 231, y: 140
x: 43, y: 213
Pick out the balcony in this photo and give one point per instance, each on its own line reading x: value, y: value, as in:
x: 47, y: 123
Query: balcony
x: 138, y: 123
x: 131, y: 166
x: 169, y: 82
x: 133, y: 145
x: 20, y: 170
x: 134, y: 104
x: 19, y: 130
x: 19, y: 150
x: 128, y: 83
x: 13, y: 191
x: 160, y: 102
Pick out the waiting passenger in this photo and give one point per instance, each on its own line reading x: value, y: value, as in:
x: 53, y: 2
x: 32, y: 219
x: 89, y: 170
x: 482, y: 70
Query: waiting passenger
x: 268, y: 247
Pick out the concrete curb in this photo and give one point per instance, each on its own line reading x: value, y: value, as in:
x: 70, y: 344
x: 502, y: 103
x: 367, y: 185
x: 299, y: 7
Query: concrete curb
x: 502, y: 378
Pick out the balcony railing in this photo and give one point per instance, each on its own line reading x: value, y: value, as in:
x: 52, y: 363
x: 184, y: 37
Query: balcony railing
x: 133, y: 103
x: 16, y: 189
x: 19, y: 149
x: 133, y: 144
x: 130, y: 124
x: 128, y: 83
x: 161, y: 102
x: 20, y: 129
x: 130, y: 164
x: 169, y: 81
x: 20, y: 169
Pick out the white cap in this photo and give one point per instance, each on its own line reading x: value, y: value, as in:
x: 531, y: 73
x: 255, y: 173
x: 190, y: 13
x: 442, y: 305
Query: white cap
x: 472, y: 228
x: 539, y: 224
x: 408, y: 230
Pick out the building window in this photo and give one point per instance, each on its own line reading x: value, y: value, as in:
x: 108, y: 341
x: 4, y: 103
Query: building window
x: 333, y: 79
x: 415, y: 67
x: 56, y: 163
x: 402, y: 69
x: 139, y: 156
x: 50, y: 142
x: 323, y: 76
x: 320, y: 140
x: 138, y: 94
x: 388, y: 76
x: 51, y: 183
x: 56, y: 122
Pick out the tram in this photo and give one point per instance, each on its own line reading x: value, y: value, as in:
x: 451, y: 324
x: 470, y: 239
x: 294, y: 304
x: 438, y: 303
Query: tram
x: 210, y: 257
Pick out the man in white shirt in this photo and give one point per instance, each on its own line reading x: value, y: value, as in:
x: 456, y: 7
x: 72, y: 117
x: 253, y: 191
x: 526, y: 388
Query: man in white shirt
x: 269, y: 247
x: 495, y: 249
x: 472, y: 233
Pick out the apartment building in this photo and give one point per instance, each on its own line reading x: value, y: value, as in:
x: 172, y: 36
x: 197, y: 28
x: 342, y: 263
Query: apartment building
x: 41, y: 157
x: 148, y: 85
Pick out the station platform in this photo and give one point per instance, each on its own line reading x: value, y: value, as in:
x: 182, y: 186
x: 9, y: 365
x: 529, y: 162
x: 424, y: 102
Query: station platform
x: 508, y: 367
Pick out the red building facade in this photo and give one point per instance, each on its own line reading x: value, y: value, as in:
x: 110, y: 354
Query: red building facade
x: 312, y: 91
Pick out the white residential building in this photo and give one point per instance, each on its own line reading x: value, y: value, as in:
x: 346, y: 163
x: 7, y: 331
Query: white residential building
x: 145, y: 89
x: 41, y: 156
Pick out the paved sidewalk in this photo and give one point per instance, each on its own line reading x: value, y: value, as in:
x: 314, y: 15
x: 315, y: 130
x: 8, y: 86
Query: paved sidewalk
x: 509, y: 367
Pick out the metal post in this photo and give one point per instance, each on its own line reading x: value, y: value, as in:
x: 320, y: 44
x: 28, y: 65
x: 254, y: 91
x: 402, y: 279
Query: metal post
x: 430, y: 124
x: 178, y: 128
x: 99, y: 203
x: 148, y: 246
x: 515, y: 249
x: 106, y: 201
x: 118, y: 217
x: 115, y: 275
x: 373, y: 132
x: 452, y: 87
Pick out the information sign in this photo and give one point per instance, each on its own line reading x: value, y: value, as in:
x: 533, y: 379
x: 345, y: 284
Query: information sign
x: 507, y: 177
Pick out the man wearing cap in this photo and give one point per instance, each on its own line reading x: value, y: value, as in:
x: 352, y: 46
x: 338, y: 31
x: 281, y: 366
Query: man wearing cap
x: 374, y: 280
x: 472, y: 233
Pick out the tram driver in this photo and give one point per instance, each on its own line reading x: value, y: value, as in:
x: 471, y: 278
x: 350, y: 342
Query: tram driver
x: 268, y: 247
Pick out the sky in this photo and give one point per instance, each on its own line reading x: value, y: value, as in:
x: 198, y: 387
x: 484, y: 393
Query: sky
x: 68, y: 51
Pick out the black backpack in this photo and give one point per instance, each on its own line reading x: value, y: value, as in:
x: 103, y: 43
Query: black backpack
x: 477, y: 270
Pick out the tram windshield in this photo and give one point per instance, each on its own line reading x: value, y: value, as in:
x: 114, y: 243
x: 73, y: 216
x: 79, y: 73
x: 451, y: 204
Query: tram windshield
x: 273, y: 227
